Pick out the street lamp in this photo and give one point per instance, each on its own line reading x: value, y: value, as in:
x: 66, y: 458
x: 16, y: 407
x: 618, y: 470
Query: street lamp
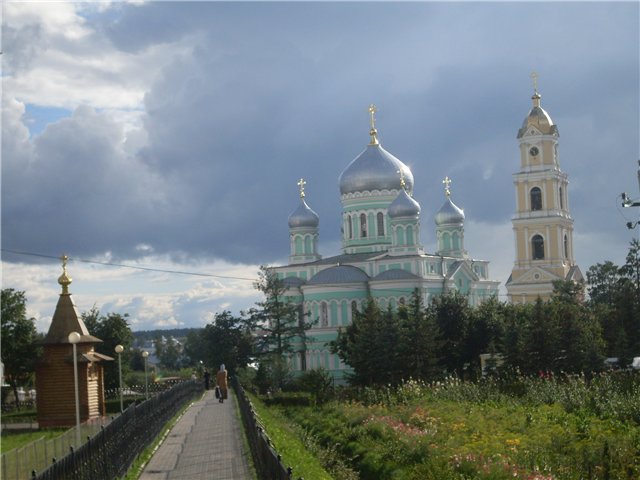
x: 119, y: 350
x: 145, y: 354
x: 74, y: 338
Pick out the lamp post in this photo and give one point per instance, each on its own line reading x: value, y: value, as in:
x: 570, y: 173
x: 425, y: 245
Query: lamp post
x: 119, y: 350
x: 145, y: 354
x: 74, y: 338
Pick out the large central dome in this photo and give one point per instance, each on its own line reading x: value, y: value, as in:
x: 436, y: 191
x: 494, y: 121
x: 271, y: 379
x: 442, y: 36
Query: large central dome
x: 374, y: 169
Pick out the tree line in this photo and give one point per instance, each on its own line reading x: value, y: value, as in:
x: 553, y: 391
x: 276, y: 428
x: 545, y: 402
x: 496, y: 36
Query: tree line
x: 567, y: 333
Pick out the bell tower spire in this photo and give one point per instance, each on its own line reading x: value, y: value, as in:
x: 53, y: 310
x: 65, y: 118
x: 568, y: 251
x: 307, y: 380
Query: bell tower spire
x: 542, y: 223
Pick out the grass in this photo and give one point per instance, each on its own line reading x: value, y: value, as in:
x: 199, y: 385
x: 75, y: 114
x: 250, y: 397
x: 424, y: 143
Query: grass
x: 567, y: 429
x: 288, y: 444
x: 17, y: 439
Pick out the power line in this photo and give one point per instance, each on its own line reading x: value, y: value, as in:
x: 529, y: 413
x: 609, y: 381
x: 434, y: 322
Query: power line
x: 387, y: 291
x: 135, y: 267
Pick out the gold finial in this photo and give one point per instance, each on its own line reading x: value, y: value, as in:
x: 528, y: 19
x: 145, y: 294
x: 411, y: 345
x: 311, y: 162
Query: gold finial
x: 447, y: 183
x: 373, y: 132
x: 64, y: 279
x: 301, y: 184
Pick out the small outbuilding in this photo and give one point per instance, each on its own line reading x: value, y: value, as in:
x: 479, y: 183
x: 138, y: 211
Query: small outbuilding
x: 54, y: 371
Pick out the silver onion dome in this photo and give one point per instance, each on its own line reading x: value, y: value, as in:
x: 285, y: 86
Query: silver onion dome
x: 303, y: 216
x: 374, y: 169
x: 449, y: 214
x: 404, y: 206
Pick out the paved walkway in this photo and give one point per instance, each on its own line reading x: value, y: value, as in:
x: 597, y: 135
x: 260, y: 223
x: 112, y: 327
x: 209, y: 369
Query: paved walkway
x: 206, y: 443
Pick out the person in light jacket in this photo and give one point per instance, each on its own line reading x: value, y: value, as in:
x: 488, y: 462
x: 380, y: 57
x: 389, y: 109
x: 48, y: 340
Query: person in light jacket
x: 221, y: 379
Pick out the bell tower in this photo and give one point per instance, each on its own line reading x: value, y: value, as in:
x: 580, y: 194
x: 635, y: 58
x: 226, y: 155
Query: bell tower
x: 542, y: 223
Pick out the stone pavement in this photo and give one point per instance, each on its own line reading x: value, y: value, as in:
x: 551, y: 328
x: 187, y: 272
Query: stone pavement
x: 206, y: 443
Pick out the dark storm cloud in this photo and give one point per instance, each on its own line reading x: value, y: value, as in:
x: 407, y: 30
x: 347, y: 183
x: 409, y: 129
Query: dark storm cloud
x: 268, y: 93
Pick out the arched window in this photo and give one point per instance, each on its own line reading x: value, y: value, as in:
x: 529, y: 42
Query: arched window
x: 380, y: 218
x: 354, y: 307
x: 537, y: 246
x: 566, y: 247
x: 363, y: 225
x: 536, y: 199
x: 350, y: 226
x: 324, y: 315
x: 402, y: 301
x: 561, y: 199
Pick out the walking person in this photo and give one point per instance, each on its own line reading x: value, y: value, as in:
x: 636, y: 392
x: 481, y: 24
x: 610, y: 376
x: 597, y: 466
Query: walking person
x: 207, y: 377
x: 221, y: 379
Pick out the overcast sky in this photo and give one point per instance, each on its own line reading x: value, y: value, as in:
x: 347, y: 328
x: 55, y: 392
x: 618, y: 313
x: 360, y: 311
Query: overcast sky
x: 171, y: 135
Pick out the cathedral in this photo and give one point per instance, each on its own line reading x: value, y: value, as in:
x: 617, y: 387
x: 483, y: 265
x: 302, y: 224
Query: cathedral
x: 542, y: 223
x: 382, y: 256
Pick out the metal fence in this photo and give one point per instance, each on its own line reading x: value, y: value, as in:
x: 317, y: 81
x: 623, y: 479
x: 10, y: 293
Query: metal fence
x: 268, y: 463
x: 109, y: 452
x: 19, y: 463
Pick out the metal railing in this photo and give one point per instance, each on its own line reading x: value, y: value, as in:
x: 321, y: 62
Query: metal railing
x: 267, y: 461
x: 110, y: 453
x: 19, y: 463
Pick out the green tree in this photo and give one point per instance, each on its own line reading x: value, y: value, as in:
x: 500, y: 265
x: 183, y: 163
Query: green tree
x: 580, y: 341
x: 452, y: 314
x: 629, y: 301
x: 113, y: 329
x: 486, y: 331
x: 170, y: 353
x: 195, y: 347
x: 19, y: 337
x: 603, y: 282
x: 277, y: 317
x: 419, y: 340
x: 359, y: 345
x: 226, y: 340
x: 615, y: 300
x: 541, y: 340
x: 517, y: 320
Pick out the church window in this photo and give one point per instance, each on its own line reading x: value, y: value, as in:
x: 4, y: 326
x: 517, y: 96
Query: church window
x: 400, y: 235
x: 350, y: 226
x: 536, y: 199
x: 363, y: 225
x: 561, y: 199
x: 324, y: 315
x: 354, y: 308
x: 402, y: 301
x: 537, y: 244
x: 380, y: 219
x: 566, y: 247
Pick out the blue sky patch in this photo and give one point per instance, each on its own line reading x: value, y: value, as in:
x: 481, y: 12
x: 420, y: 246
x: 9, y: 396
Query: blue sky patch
x: 36, y: 118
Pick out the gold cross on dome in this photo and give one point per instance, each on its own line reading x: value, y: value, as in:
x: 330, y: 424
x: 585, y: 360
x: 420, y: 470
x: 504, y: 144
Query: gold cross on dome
x: 534, y: 77
x: 447, y: 183
x: 301, y: 184
x: 372, y: 112
x: 64, y: 259
x: 373, y: 132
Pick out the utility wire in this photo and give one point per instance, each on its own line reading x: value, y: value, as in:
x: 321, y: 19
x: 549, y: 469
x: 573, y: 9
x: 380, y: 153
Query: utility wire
x: 180, y: 272
x: 136, y: 267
